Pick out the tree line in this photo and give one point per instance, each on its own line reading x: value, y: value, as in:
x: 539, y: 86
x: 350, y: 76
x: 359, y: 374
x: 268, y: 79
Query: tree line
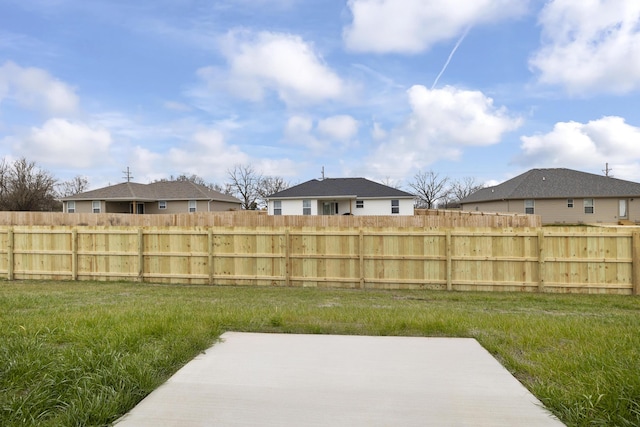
x: 26, y: 187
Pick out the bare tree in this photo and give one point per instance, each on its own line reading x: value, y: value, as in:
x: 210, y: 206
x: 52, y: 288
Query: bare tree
x: 390, y: 182
x: 197, y: 179
x: 429, y: 188
x: 244, y: 183
x: 463, y: 188
x: 25, y: 187
x: 270, y: 185
x: 77, y: 184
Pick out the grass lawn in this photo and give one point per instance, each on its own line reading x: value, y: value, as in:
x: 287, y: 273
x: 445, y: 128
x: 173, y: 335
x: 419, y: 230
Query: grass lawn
x: 84, y: 353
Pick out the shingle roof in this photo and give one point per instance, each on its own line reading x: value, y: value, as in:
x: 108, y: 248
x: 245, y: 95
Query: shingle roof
x: 340, y: 187
x: 161, y: 190
x: 556, y: 183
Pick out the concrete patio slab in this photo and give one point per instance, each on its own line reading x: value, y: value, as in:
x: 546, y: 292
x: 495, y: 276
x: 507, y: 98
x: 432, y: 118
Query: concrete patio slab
x: 251, y: 379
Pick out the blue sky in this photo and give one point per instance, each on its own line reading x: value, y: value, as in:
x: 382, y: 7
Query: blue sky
x: 375, y: 88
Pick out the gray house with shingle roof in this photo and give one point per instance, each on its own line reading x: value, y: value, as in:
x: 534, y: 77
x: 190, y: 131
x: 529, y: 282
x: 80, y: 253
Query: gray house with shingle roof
x: 155, y: 198
x: 341, y: 196
x: 561, y: 196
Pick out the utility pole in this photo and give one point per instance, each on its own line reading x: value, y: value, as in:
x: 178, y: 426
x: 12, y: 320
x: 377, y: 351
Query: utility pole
x: 127, y: 175
x: 606, y: 170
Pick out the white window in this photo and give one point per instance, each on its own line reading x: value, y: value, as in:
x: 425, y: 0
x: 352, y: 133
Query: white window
x: 569, y: 203
x: 277, y: 207
x: 193, y: 205
x: 306, y: 207
x: 529, y: 207
x: 95, y: 205
x: 395, y: 206
x: 162, y: 204
x: 71, y: 207
x: 588, y: 206
x: 359, y: 204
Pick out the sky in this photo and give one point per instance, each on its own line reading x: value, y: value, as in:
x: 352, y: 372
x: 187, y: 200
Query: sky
x: 381, y: 89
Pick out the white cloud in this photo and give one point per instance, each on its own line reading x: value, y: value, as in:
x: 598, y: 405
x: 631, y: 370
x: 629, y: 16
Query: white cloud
x: 36, y: 89
x: 590, y: 46
x: 340, y: 128
x: 176, y: 106
x: 299, y: 130
x: 586, y: 145
x: 331, y: 133
x: 378, y: 133
x: 442, y: 123
x: 64, y: 143
x: 279, y: 167
x: 259, y: 63
x: 412, y: 26
x: 206, y: 154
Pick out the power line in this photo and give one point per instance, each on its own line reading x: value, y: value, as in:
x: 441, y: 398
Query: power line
x: 127, y: 175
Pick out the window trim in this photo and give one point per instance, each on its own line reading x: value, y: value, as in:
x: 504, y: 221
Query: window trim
x: 359, y: 204
x: 395, y: 206
x: 306, y: 207
x: 591, y: 205
x: 570, y: 203
x: 277, y: 207
x: 71, y: 206
x: 162, y: 204
x: 93, y: 206
x: 530, y: 207
x: 192, y: 206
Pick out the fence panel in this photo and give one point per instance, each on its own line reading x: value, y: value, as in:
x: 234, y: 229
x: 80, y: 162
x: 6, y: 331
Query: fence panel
x: 423, y: 218
x: 589, y: 260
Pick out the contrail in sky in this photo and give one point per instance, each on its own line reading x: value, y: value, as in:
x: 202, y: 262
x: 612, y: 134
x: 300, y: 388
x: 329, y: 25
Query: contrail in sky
x: 446, y: 64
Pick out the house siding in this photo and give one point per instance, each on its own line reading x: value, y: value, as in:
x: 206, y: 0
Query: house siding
x: 556, y: 211
x: 371, y: 206
x: 173, y: 207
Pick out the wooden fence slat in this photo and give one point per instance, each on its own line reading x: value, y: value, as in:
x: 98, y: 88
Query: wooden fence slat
x: 287, y: 258
x: 74, y: 254
x: 361, y: 271
x: 10, y: 254
x: 541, y: 261
x: 635, y: 250
x: 140, y: 254
x: 449, y: 250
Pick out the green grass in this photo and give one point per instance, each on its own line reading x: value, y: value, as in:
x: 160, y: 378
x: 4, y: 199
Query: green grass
x: 83, y: 354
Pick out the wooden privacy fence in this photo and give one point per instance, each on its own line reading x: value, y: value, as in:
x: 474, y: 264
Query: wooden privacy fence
x: 590, y: 260
x: 423, y: 218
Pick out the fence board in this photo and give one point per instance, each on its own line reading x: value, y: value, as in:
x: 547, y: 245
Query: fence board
x: 511, y: 259
x: 422, y: 218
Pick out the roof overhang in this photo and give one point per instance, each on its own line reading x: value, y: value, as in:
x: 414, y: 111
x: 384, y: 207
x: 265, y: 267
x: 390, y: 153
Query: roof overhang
x: 342, y: 197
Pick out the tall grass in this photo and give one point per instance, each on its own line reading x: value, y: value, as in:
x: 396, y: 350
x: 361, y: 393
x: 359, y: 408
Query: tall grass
x: 76, y: 354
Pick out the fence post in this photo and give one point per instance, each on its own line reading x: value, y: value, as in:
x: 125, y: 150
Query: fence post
x: 541, y: 258
x: 361, y: 257
x: 74, y: 254
x: 287, y: 258
x: 211, y: 257
x: 140, y: 254
x: 10, y: 250
x: 635, y: 267
x: 449, y: 262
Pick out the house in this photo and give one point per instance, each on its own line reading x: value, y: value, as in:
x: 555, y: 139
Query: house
x: 340, y: 196
x: 561, y: 196
x: 155, y: 198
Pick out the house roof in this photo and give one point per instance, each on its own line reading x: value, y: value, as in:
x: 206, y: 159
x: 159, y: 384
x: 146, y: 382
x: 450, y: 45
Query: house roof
x: 161, y: 190
x: 340, y: 187
x: 556, y: 183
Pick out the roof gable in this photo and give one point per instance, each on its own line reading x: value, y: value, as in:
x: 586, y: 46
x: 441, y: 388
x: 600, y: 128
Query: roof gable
x: 340, y: 187
x: 556, y: 183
